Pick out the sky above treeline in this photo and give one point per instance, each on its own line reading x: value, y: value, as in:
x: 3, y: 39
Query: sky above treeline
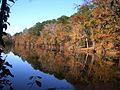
x: 26, y: 13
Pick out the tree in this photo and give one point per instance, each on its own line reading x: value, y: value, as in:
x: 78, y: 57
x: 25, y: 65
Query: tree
x: 63, y: 19
x: 4, y: 14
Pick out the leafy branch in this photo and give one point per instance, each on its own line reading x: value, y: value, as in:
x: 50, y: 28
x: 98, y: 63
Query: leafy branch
x: 4, y: 15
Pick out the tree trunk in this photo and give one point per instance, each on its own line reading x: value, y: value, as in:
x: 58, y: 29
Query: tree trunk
x: 87, y: 42
x: 93, y: 40
x: 2, y: 14
x: 93, y: 44
x: 119, y: 65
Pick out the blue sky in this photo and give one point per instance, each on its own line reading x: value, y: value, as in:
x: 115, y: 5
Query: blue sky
x: 26, y: 13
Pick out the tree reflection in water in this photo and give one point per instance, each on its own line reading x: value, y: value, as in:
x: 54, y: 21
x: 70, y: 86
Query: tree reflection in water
x: 35, y: 80
x: 4, y: 73
x: 84, y: 71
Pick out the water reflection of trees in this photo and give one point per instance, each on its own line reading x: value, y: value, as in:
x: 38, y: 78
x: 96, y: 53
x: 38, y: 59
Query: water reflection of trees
x: 76, y: 68
x: 34, y: 80
x: 5, y: 73
x: 7, y: 48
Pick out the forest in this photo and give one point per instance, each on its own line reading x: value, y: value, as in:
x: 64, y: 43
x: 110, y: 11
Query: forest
x: 77, y: 52
x: 95, y: 28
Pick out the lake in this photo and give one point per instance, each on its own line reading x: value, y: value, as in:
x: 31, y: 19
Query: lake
x: 38, y: 69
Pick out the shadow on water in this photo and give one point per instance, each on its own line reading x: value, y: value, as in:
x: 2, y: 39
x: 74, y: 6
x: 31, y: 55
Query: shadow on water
x: 83, y: 71
x: 5, y: 83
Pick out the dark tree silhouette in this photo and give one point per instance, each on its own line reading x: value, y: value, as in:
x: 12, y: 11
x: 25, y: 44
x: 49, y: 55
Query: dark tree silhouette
x: 4, y: 73
x: 4, y: 15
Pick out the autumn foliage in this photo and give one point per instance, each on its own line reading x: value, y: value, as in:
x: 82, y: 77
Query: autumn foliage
x: 95, y: 25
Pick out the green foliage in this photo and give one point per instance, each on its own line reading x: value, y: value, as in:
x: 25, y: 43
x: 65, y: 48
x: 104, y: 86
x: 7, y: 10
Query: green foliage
x: 48, y: 22
x: 63, y: 19
x: 38, y: 27
x: 17, y: 34
x: 33, y: 31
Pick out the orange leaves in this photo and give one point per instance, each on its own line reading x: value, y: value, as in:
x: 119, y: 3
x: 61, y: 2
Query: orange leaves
x: 96, y: 12
x: 101, y: 36
x: 75, y: 19
x: 94, y: 22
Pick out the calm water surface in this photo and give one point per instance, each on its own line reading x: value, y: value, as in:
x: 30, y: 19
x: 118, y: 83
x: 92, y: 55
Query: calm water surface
x: 47, y: 70
x: 25, y: 76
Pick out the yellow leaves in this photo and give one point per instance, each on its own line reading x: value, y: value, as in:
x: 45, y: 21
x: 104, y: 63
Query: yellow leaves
x: 96, y: 12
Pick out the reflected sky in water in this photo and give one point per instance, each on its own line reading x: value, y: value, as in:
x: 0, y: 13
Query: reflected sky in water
x: 38, y: 69
x: 22, y: 72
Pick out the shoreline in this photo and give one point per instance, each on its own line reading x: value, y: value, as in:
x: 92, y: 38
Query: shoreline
x: 90, y: 50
